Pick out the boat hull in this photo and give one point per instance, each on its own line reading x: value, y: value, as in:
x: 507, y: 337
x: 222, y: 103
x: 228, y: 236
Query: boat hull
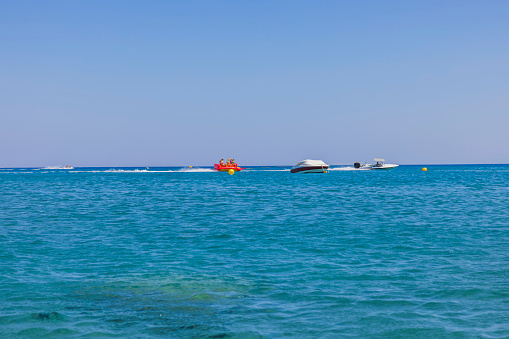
x: 310, y: 169
x: 384, y: 167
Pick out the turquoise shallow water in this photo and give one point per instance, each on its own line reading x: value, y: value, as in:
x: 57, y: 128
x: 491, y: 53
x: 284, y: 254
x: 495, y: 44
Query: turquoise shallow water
x: 264, y: 253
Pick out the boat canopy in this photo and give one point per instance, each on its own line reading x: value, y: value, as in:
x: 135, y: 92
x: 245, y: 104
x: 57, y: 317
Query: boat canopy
x: 309, y: 162
x: 379, y: 159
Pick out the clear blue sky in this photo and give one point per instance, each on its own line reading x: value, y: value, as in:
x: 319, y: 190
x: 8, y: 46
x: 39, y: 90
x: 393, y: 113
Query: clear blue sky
x: 148, y: 83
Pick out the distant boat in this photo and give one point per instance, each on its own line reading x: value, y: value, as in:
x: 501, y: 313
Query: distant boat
x: 310, y: 166
x: 379, y: 165
x: 58, y: 167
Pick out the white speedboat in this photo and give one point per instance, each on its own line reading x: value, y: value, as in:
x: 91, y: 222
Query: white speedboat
x: 381, y: 165
x: 310, y: 166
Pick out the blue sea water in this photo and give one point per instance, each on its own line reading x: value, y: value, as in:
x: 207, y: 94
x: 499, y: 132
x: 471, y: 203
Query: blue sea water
x: 263, y: 253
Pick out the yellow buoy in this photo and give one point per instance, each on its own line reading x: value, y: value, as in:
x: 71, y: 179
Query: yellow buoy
x: 190, y: 166
x: 424, y: 169
x: 231, y: 171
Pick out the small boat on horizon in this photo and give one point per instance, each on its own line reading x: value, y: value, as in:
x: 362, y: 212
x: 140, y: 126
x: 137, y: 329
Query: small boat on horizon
x: 310, y: 166
x: 379, y: 165
x: 58, y: 167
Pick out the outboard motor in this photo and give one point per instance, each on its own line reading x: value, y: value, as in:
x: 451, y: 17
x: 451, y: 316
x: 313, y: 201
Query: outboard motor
x: 357, y: 165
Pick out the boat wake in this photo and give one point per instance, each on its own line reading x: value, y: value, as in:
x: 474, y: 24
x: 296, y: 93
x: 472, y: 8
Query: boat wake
x: 180, y: 170
x: 122, y: 171
x: 195, y: 170
x: 348, y: 169
x: 265, y: 170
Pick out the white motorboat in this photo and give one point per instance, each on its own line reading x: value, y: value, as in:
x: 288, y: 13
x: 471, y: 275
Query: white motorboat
x: 310, y: 166
x: 381, y: 165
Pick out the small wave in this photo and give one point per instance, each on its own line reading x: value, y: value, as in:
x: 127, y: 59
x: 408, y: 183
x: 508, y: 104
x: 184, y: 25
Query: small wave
x: 122, y: 171
x: 266, y: 170
x: 180, y: 170
x: 21, y: 172
x: 109, y: 171
x: 195, y: 170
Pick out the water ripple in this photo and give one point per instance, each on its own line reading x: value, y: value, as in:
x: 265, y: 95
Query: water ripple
x: 262, y: 253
